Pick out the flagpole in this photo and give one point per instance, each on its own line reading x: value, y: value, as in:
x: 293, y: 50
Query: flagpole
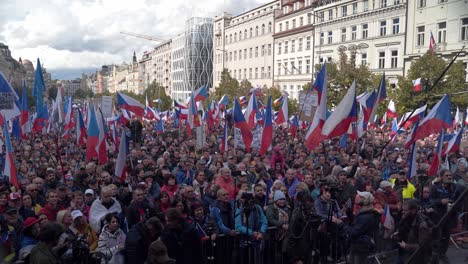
x: 432, y: 86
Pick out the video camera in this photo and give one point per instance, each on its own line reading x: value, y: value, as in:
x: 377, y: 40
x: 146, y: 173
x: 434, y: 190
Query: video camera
x: 248, y: 203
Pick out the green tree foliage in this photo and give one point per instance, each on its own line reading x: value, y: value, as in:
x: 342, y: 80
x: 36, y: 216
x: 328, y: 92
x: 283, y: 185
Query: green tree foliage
x: 429, y: 67
x: 230, y: 87
x: 83, y: 93
x: 341, y: 75
x: 156, y: 91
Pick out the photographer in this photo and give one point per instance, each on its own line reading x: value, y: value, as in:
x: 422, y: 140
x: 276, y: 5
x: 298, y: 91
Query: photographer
x: 362, y: 231
x: 48, y: 239
x: 81, y: 228
x: 250, y: 221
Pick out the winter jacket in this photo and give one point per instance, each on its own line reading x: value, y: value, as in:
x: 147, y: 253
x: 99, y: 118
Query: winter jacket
x: 183, y: 244
x: 407, y: 190
x: 291, y: 187
x: 257, y: 221
x: 136, y: 245
x: 221, y: 213
x: 43, y: 254
x: 322, y: 208
x: 89, y: 233
x: 420, y: 234
x: 362, y: 230
x: 227, y: 185
x: 109, y: 245
x: 50, y: 212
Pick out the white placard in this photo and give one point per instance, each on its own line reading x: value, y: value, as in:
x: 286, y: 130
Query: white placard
x: 106, y: 106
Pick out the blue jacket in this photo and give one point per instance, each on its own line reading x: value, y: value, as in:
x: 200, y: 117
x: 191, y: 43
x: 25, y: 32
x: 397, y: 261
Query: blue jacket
x: 222, y: 216
x: 181, y: 176
x: 291, y: 187
x: 257, y: 221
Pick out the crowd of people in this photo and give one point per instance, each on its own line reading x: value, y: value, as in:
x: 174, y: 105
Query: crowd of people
x: 332, y: 204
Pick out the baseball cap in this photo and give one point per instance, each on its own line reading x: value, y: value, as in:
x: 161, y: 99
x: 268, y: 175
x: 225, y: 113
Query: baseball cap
x: 76, y: 213
x: 30, y: 221
x: 367, y: 195
x: 384, y: 184
x: 14, y: 196
x: 89, y: 191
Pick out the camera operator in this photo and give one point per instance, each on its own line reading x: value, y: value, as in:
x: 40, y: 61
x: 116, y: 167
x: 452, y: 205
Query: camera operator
x: 251, y: 223
x: 443, y: 194
x: 48, y: 239
x: 326, y: 208
x: 363, y: 229
x: 414, y: 231
x: 302, y: 229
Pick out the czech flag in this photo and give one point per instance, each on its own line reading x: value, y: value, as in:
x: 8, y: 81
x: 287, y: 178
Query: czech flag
x: 314, y: 133
x: 438, y: 117
x: 267, y: 135
x: 456, y: 119
x: 80, y: 130
x: 395, y: 129
x: 9, y: 168
x: 283, y: 112
x: 192, y: 116
x: 224, y: 140
x: 412, y: 162
x: 454, y: 144
x: 240, y: 123
x: 41, y: 110
x: 93, y: 137
x: 130, y: 104
x: 391, y: 110
x: 243, y: 100
x: 251, y: 111
x: 294, y: 125
x: 25, y: 123
x: 436, y: 160
x: 381, y: 95
x: 367, y: 102
x: 69, y: 120
x: 345, y: 113
x: 278, y: 101
x: 387, y: 219
x: 224, y: 102
x: 182, y: 110
x: 411, y: 137
x: 417, y: 85
x: 200, y: 94
x: 120, y: 163
x: 101, y: 148
x: 159, y: 127
x: 431, y: 43
x: 412, y: 117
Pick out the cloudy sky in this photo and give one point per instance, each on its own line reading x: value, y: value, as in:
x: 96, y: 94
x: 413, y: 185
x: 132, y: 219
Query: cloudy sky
x: 72, y: 36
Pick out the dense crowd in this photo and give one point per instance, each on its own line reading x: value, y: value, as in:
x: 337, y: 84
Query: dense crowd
x: 335, y: 202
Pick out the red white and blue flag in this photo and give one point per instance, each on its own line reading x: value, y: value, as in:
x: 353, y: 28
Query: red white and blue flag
x: 345, y: 113
x: 181, y: 110
x: 456, y: 119
x: 224, y: 102
x: 92, y: 140
x: 412, y: 117
x: 283, y: 112
x: 9, y: 168
x: 412, y: 162
x: 80, y: 130
x: 314, y: 133
x: 240, y: 123
x: 69, y: 120
x: 192, y: 116
x: 130, y: 104
x: 293, y: 125
x: 267, y: 135
x: 367, y: 102
x: 243, y: 100
x: 101, y: 148
x: 439, y: 117
x: 436, y: 160
x: 251, y: 111
x: 381, y: 95
x: 417, y: 85
x: 120, y: 163
x: 224, y: 140
x: 200, y: 94
x: 391, y: 110
x: 25, y: 123
x: 431, y: 43
x: 454, y: 144
x: 278, y: 101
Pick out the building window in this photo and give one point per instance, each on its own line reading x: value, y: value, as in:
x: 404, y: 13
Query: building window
x: 245, y: 73
x: 285, y: 47
x: 308, y: 43
x: 279, y: 68
x: 285, y: 66
x: 365, y: 31
x: 383, y: 28
x: 240, y: 54
x: 301, y: 21
x: 299, y: 47
x: 330, y: 14
x: 383, y: 3
x: 307, y: 66
x: 443, y: 1
x: 263, y: 29
x: 279, y: 48
x: 235, y: 55
x: 441, y: 32
x: 269, y: 72
x: 353, y: 32
x: 245, y: 34
x: 344, y: 10
x: 235, y: 74
x: 240, y: 35
x: 287, y: 25
x: 421, y: 3
x: 280, y: 27
x: 269, y: 49
x: 299, y: 66
x: 256, y: 73
x: 256, y: 31
x: 230, y: 38
x: 245, y: 55
x: 293, y: 68
x: 396, y: 26
x: 269, y: 27
x: 250, y: 53
x: 343, y: 34
x: 366, y: 5
x: 321, y: 17
x: 464, y: 29
x: 250, y: 73
x: 293, y: 45
x: 396, y: 2
x: 262, y: 52
x: 420, y: 37
x: 251, y: 33
x: 382, y: 60
x: 262, y: 73
x: 294, y: 23
x: 235, y: 37
x: 363, y: 58
x: 330, y: 37
x: 354, y: 8
x: 394, y: 59
x: 256, y: 52
x: 322, y: 38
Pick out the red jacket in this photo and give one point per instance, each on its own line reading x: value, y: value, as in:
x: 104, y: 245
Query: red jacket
x: 227, y: 185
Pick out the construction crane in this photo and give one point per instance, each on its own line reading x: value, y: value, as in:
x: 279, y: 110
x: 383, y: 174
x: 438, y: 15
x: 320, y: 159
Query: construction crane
x: 143, y: 36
